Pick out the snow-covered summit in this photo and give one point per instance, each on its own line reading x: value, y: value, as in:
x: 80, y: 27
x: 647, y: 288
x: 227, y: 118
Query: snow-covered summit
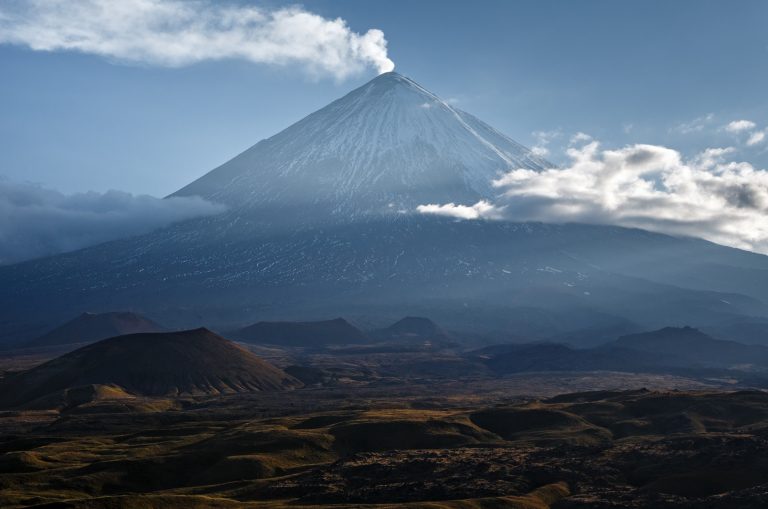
x: 388, y: 145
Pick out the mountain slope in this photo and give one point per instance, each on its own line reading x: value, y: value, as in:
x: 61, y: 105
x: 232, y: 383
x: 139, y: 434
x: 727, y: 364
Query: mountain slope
x: 389, y: 145
x: 519, y: 278
x: 321, y: 222
x: 193, y: 362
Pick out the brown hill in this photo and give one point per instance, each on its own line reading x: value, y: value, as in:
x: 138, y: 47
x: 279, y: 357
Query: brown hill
x: 321, y: 333
x: 193, y: 362
x: 92, y: 327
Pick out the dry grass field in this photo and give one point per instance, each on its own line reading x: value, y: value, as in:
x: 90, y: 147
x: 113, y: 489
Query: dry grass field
x: 387, y: 447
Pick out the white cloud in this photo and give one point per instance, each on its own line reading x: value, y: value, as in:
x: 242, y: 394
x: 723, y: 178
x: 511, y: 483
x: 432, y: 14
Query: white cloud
x: 749, y: 129
x: 35, y: 221
x: 175, y: 33
x: 480, y: 210
x: 649, y: 187
x: 543, y: 140
x: 756, y: 138
x: 580, y: 138
x: 696, y: 125
x: 738, y: 126
x: 643, y: 186
x: 712, y: 156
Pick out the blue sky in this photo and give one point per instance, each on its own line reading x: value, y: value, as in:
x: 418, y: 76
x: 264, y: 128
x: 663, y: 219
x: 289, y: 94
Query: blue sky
x: 623, y: 72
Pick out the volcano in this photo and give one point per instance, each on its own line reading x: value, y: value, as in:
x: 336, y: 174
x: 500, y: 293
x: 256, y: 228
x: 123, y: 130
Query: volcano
x: 194, y: 362
x: 322, y: 221
x: 385, y: 147
x: 91, y: 327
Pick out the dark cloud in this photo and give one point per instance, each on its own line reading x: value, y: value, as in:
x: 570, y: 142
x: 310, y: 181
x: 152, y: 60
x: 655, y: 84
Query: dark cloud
x: 742, y: 196
x: 35, y: 221
x: 641, y: 156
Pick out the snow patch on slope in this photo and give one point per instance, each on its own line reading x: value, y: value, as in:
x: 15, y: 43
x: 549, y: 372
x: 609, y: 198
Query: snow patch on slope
x: 376, y: 146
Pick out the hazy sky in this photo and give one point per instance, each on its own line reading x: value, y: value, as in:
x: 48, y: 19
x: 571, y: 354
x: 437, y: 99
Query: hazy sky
x: 138, y: 120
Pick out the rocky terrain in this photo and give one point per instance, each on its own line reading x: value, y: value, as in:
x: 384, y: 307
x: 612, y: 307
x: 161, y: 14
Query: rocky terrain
x: 361, y: 448
x: 316, y: 414
x: 326, y: 414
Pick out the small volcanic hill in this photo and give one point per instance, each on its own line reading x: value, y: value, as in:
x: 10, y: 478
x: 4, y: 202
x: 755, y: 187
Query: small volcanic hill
x: 686, y: 345
x: 665, y: 350
x: 414, y: 328
x: 322, y: 333
x: 193, y: 362
x: 556, y: 357
x: 92, y: 327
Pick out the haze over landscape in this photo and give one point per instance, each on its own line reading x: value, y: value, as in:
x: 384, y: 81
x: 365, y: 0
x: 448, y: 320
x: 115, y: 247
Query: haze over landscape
x: 387, y: 300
